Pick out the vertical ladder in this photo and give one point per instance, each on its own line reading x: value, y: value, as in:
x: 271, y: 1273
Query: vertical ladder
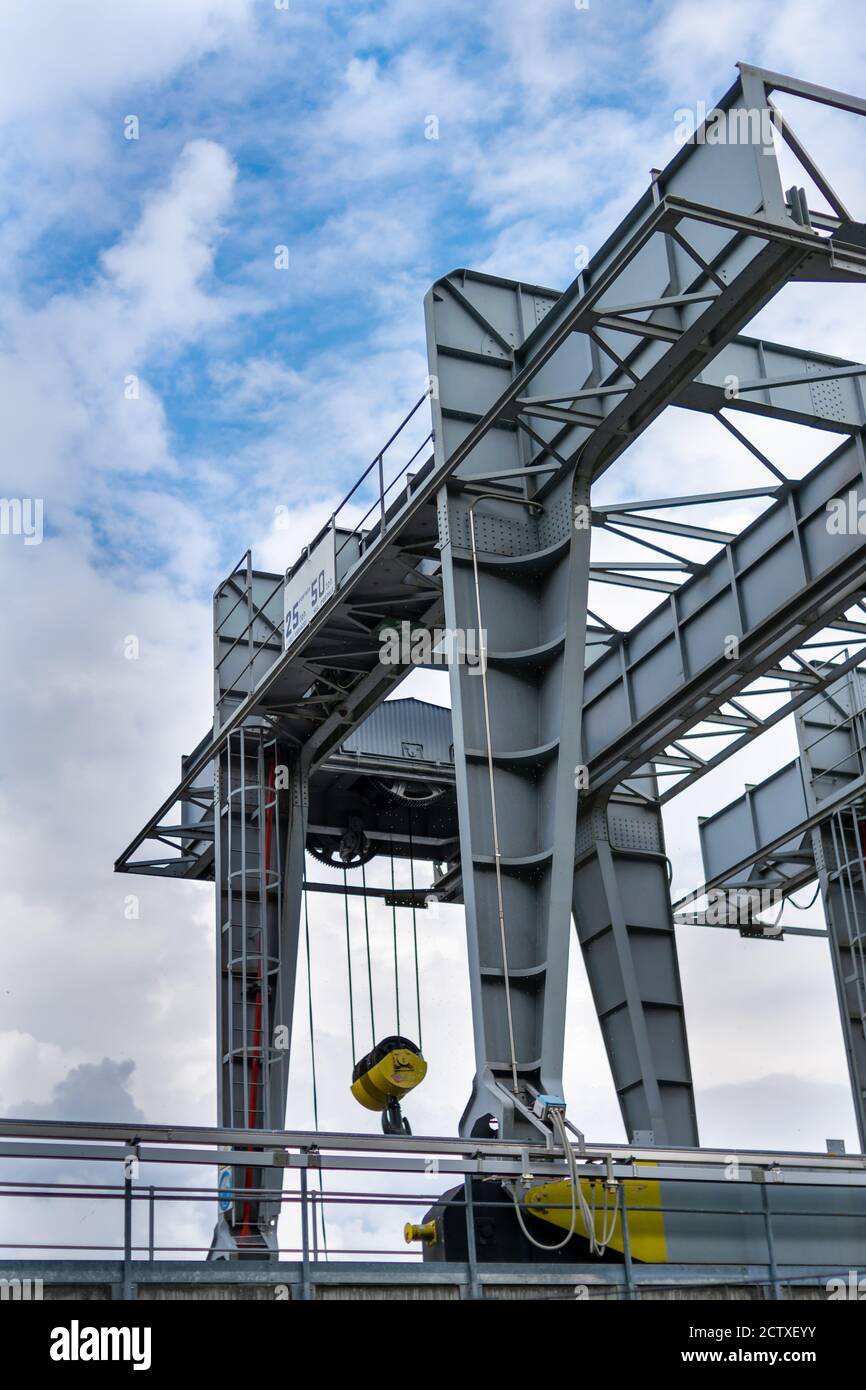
x: 249, y: 849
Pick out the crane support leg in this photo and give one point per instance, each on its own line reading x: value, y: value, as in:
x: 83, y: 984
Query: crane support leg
x: 622, y: 911
x: 260, y: 805
x: 839, y: 845
x: 516, y: 574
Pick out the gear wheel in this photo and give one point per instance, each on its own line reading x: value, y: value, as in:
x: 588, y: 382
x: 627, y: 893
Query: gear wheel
x: 416, y: 793
x: 350, y: 851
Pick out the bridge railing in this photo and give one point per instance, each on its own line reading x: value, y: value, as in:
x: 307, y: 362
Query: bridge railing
x: 339, y: 1184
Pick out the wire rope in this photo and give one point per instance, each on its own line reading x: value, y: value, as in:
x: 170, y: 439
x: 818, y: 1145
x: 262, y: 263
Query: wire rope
x: 349, y: 962
x: 394, y: 930
x: 369, y: 958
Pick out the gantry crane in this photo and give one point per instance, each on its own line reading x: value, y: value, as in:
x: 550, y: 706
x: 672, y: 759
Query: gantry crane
x: 539, y: 798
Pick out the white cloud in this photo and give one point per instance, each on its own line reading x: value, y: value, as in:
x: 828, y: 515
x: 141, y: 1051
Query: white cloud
x: 62, y: 54
x: 29, y: 1069
x: 794, y: 37
x: 161, y: 264
x: 379, y: 112
x: 757, y: 1114
x: 75, y: 380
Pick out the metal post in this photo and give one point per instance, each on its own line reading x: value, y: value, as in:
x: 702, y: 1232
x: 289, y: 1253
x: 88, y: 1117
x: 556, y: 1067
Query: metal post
x: 771, y: 1247
x: 151, y: 1224
x: 126, y: 1292
x: 471, y: 1253
x: 306, y: 1288
x: 631, y: 1291
x: 381, y: 488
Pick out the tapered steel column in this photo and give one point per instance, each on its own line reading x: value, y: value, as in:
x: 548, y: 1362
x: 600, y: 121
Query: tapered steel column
x: 622, y: 911
x: 839, y: 845
x: 519, y: 572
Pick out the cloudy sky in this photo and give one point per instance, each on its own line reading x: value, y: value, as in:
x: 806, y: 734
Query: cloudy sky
x: 168, y: 392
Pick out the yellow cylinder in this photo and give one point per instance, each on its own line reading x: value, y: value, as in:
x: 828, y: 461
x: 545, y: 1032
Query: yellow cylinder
x: 383, y: 1075
x: 426, y: 1233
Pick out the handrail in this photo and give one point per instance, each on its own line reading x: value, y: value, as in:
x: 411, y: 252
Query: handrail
x: 257, y: 610
x: 404, y: 1158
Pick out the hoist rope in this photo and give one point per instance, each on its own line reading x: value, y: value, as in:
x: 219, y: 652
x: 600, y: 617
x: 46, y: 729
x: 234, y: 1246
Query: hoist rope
x: 415, y: 930
x: 394, y: 931
x: 313, y: 1066
x: 369, y: 959
x: 310, y: 1012
x: 349, y: 962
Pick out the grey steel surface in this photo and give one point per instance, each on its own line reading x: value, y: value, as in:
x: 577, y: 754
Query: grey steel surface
x: 803, y: 822
x: 411, y: 728
x: 764, y: 837
x: 735, y: 842
x: 782, y: 580
x: 402, y: 740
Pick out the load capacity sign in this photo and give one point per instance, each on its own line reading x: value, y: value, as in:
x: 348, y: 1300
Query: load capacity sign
x: 311, y: 585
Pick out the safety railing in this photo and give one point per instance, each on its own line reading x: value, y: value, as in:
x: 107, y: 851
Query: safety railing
x: 377, y: 470
x: 152, y: 1218
x: 387, y: 478
x: 270, y: 632
x: 383, y: 479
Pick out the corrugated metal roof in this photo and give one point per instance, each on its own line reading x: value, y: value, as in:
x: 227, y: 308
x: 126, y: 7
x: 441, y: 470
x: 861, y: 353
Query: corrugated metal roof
x: 407, y: 728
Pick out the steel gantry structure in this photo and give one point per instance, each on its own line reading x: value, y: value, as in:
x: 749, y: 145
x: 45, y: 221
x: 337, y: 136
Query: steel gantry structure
x: 539, y: 798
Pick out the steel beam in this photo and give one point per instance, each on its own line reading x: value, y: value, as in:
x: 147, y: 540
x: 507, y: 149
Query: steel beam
x: 783, y: 579
x: 764, y: 839
x: 260, y: 799
x: 761, y: 842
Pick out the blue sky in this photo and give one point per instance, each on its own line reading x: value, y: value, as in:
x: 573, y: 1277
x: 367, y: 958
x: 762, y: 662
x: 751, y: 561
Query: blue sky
x: 307, y: 127
x: 262, y: 389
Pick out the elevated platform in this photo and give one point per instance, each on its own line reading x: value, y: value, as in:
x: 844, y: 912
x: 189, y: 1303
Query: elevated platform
x: 395, y: 773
